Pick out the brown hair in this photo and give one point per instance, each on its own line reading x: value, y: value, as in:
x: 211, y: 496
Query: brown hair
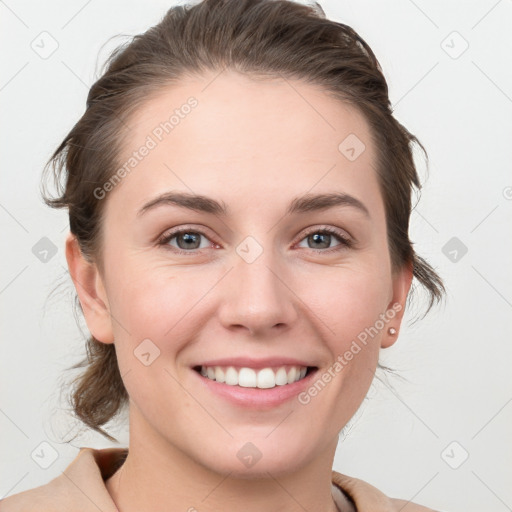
x: 261, y: 38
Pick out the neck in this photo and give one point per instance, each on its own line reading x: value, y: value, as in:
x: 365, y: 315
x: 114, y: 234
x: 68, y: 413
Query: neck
x: 159, y: 476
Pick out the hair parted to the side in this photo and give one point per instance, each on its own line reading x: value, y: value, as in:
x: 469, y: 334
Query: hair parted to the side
x: 260, y: 38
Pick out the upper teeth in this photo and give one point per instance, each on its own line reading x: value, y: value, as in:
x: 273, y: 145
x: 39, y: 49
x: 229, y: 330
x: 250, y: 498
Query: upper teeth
x: 249, y: 378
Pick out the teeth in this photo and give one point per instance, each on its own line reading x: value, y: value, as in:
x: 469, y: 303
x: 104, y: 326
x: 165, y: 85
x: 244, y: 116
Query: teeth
x: 263, y: 378
x: 220, y: 376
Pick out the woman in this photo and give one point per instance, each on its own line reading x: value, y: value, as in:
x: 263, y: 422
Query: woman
x: 239, y: 197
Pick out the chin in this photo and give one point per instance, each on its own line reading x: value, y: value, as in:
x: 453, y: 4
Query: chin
x: 254, y: 458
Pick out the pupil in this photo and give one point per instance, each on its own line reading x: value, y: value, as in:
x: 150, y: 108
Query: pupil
x: 316, y: 237
x: 187, y: 237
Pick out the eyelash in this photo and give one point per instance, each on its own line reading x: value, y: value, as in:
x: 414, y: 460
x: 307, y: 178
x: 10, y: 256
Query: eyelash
x: 345, y: 242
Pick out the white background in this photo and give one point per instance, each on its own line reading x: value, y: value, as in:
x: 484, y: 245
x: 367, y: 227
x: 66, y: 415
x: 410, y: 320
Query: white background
x: 457, y: 360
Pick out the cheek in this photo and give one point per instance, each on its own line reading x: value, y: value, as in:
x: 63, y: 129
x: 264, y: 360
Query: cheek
x: 156, y: 301
x: 347, y: 301
x: 348, y: 306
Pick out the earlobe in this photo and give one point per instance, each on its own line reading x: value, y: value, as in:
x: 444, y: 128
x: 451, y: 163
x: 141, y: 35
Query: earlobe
x: 402, y: 281
x: 91, y: 292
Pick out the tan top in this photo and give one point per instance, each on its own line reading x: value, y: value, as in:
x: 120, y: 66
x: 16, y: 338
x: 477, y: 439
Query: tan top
x: 81, y: 488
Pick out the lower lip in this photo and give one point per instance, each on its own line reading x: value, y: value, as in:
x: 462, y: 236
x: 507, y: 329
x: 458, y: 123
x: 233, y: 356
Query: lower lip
x: 253, y: 398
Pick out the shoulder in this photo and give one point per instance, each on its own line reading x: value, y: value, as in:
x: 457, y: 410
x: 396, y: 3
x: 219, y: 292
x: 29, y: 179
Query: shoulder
x: 38, y: 498
x: 80, y: 487
x: 367, y: 497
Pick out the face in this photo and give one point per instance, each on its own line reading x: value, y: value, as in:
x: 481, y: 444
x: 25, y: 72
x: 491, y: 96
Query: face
x: 257, y: 276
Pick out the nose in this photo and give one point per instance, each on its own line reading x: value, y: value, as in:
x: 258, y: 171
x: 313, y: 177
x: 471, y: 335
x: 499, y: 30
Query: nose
x: 258, y: 297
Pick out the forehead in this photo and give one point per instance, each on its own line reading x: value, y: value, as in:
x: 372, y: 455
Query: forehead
x: 229, y: 135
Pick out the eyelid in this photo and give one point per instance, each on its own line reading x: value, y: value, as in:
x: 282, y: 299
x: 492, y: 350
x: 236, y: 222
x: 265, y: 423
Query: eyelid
x: 346, y: 241
x: 171, y: 233
x: 339, y: 232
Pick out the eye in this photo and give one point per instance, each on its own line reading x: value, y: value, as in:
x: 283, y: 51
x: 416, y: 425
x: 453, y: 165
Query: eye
x: 320, y: 239
x: 187, y: 240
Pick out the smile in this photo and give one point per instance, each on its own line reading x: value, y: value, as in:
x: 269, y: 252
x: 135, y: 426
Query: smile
x: 262, y: 378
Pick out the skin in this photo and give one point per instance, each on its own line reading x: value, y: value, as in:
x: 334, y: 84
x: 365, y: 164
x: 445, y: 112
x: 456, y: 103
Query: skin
x: 255, y: 145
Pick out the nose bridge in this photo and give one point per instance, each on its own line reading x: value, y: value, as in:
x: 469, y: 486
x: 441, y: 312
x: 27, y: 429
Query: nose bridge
x: 258, y: 297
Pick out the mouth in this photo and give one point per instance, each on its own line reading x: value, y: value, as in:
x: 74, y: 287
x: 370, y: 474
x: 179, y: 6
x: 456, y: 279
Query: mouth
x: 258, y: 378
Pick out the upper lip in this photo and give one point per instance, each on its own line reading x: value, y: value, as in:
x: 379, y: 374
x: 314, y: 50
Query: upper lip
x: 250, y: 362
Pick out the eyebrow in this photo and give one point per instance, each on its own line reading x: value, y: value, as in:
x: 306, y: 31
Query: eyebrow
x: 301, y: 204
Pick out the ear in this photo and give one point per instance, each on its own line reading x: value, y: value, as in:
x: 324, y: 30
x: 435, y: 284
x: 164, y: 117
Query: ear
x: 91, y: 292
x: 402, y: 280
